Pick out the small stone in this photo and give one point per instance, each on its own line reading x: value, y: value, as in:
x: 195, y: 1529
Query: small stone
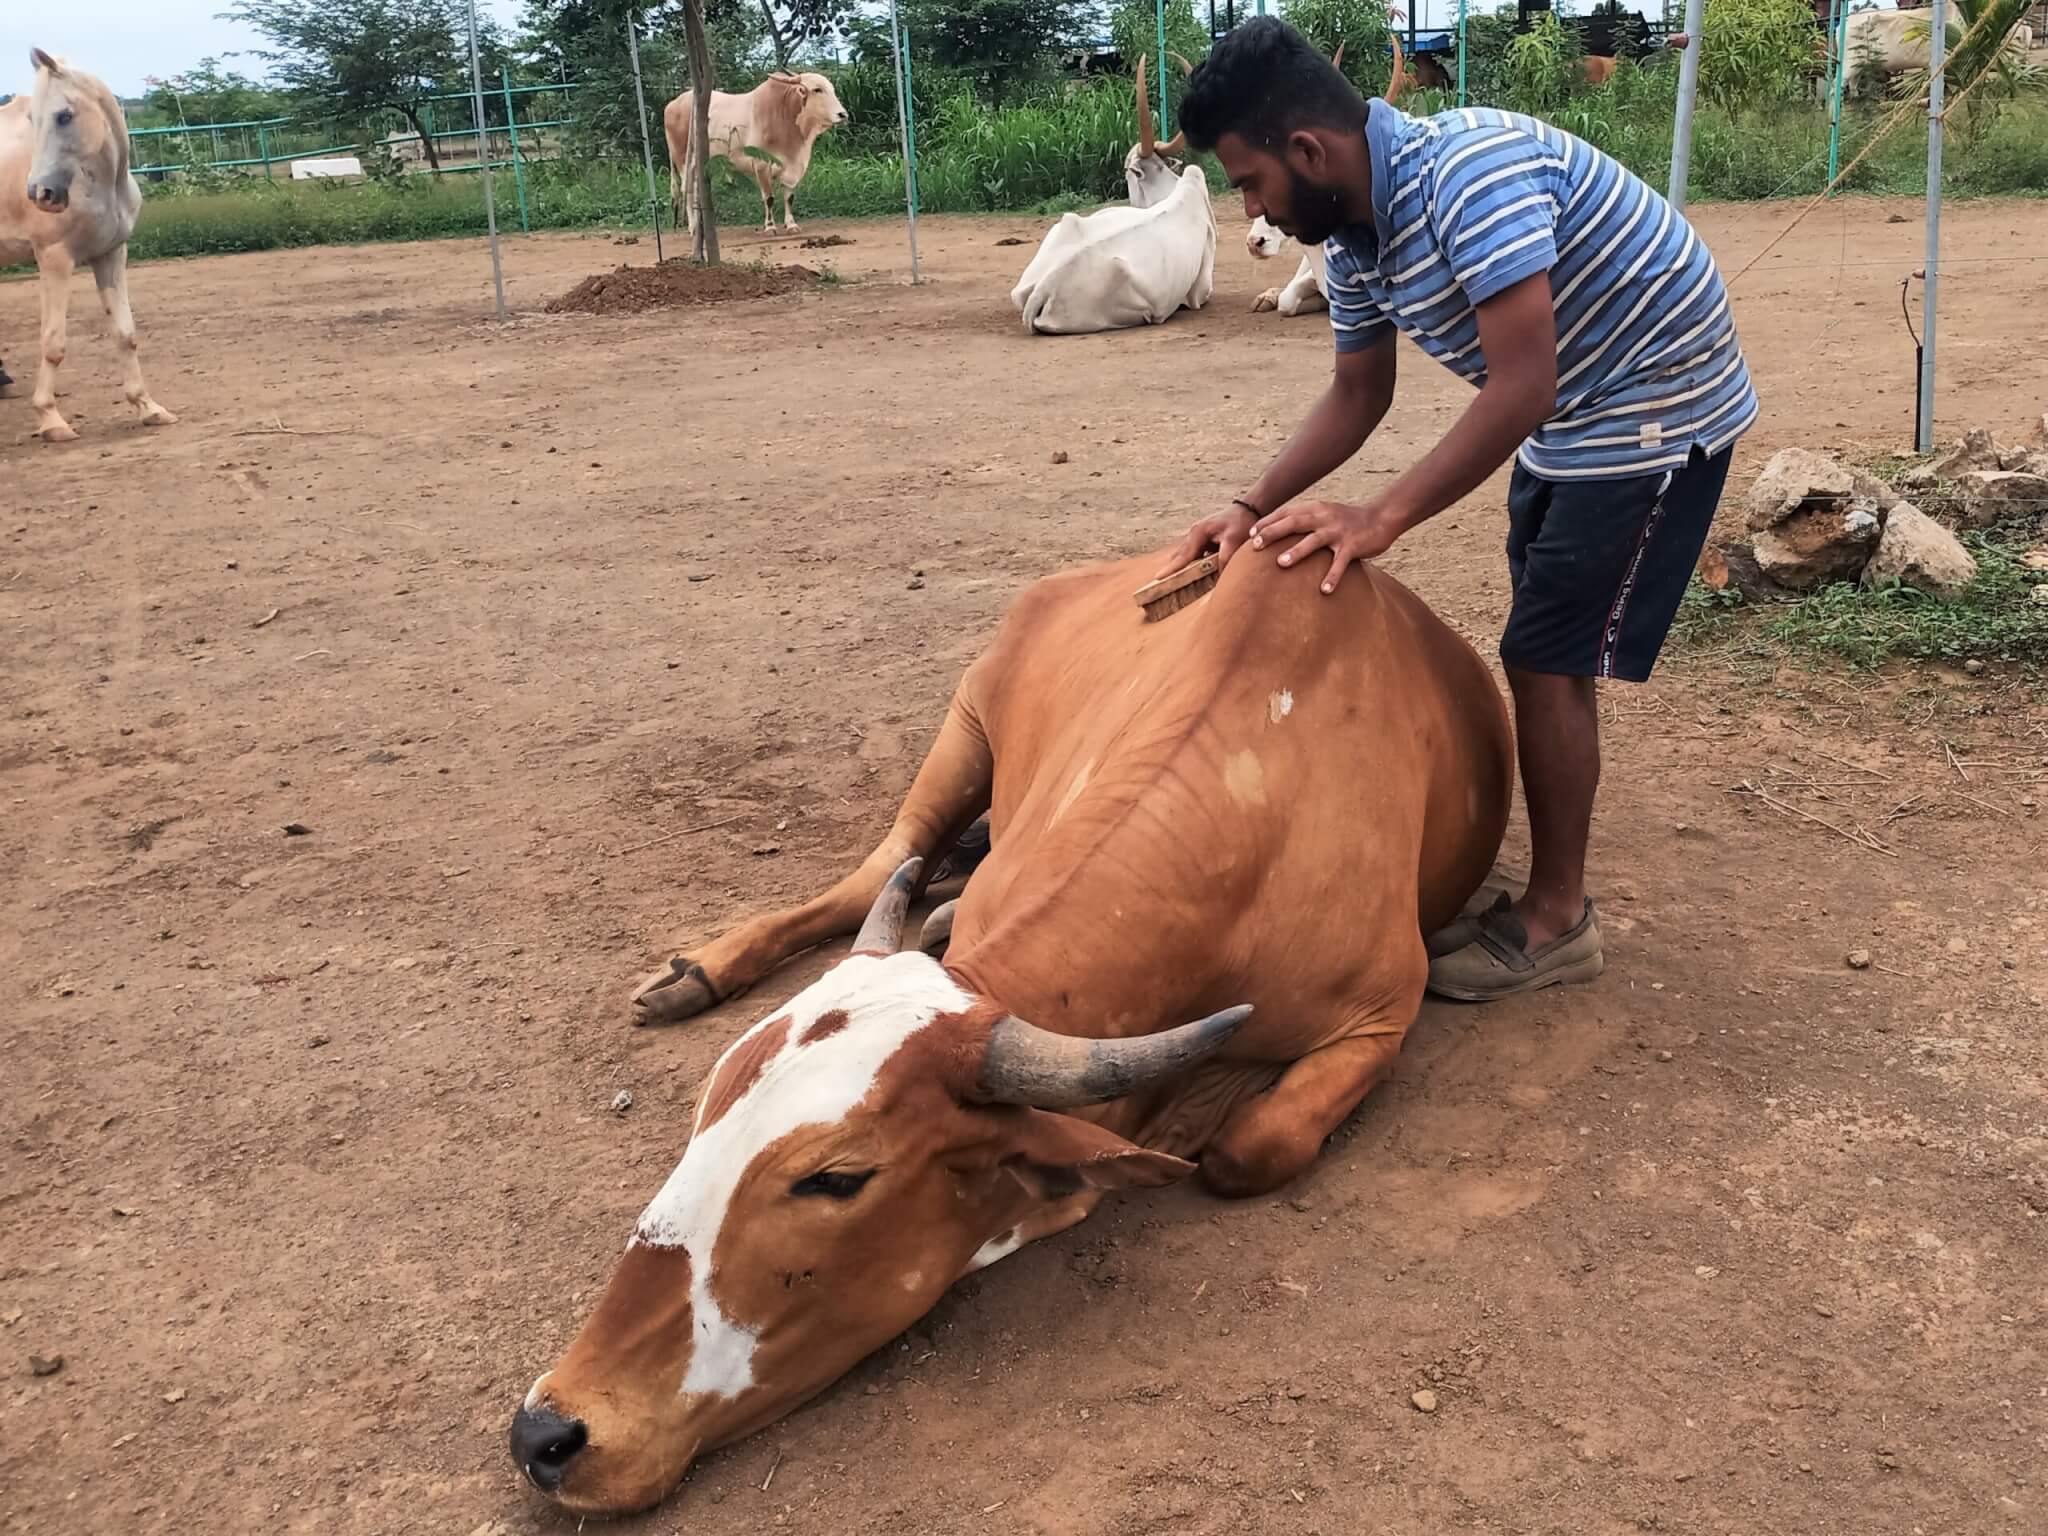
x: 2039, y: 594
x: 336, y: 1139
x: 297, y: 829
x: 175, y: 1395
x: 1664, y: 1056
x: 11, y: 1316
x: 1974, y: 667
x: 767, y: 850
x: 316, y: 1042
x: 917, y: 583
x: 1858, y: 959
x: 622, y: 1101
x: 1059, y: 456
x: 701, y: 576
x: 45, y: 1365
x: 1424, y: 1401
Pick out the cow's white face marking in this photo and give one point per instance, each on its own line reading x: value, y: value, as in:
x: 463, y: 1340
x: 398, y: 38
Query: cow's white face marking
x: 1280, y: 706
x: 886, y: 1001
x: 999, y: 1247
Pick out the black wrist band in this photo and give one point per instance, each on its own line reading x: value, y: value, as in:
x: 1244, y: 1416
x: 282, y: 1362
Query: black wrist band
x: 1239, y: 501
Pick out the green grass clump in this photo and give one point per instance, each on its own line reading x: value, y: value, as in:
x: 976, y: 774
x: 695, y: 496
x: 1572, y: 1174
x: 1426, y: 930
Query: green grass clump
x: 1995, y: 619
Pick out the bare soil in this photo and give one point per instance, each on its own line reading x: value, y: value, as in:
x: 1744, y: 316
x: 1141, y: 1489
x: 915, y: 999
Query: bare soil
x: 630, y: 290
x: 309, y: 1167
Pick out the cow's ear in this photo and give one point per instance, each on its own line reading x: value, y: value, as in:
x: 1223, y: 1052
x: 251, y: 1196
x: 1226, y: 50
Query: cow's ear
x: 1054, y: 1156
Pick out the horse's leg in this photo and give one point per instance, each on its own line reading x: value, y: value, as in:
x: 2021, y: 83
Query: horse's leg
x: 54, y: 266
x: 111, y: 273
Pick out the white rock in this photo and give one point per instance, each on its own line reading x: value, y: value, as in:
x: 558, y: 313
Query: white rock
x: 1991, y: 494
x: 1977, y: 450
x: 1917, y: 550
x: 1796, y: 481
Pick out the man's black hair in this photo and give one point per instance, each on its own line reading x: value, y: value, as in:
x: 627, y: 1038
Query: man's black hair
x: 1263, y: 82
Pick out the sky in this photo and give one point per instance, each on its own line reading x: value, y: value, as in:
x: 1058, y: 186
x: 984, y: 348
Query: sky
x: 122, y: 41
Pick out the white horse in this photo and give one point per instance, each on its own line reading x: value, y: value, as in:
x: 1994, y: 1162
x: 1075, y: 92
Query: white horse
x: 67, y: 199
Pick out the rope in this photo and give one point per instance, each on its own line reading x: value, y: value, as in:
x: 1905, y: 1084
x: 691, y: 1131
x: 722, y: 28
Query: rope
x: 1905, y: 110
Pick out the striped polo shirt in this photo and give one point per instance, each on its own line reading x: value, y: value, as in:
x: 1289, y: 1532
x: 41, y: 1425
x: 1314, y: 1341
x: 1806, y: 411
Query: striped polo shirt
x: 1471, y: 201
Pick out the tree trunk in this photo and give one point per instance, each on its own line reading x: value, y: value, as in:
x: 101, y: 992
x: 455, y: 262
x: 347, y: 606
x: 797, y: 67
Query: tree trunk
x: 412, y: 115
x: 702, y: 81
x: 775, y: 36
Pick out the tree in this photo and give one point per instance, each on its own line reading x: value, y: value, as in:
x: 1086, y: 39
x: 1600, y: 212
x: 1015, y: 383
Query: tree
x: 342, y: 60
x: 1990, y: 62
x: 794, y: 23
x: 1010, y: 44
x: 699, y: 46
x: 208, y: 92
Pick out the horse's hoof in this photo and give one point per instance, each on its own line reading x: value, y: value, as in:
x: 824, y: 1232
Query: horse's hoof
x: 63, y: 432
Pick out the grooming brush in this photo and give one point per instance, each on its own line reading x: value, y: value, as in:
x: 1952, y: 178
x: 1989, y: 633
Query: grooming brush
x: 1170, y: 594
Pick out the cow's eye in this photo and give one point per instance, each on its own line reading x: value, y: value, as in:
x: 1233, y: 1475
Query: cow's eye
x: 833, y: 1184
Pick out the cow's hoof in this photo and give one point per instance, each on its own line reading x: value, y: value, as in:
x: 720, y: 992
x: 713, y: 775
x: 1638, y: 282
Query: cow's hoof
x: 938, y: 929
x: 679, y: 990
x: 1266, y: 302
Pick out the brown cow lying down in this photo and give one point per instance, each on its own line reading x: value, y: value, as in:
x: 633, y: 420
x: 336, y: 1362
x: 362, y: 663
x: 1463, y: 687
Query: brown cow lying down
x: 1265, y: 799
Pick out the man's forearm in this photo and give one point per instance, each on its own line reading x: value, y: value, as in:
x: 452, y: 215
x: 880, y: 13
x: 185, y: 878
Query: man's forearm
x: 1330, y: 434
x: 1493, y: 426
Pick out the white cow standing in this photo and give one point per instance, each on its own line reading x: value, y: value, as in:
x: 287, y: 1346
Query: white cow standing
x: 1137, y: 265
x: 783, y: 116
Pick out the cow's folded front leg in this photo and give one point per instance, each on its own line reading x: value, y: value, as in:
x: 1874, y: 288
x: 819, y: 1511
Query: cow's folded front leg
x: 1272, y: 1139
x: 950, y: 791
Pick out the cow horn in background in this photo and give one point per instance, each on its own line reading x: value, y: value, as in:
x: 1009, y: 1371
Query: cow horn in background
x: 1146, y: 144
x: 1185, y: 67
x: 1337, y: 59
x: 883, y: 930
x: 1028, y: 1065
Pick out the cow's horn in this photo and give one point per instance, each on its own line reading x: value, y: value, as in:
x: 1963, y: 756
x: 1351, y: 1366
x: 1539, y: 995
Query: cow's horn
x: 1337, y: 59
x: 1185, y: 67
x: 1146, y: 145
x: 1028, y: 1065
x: 883, y: 930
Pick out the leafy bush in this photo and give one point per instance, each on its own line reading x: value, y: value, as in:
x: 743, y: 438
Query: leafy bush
x: 1754, y: 52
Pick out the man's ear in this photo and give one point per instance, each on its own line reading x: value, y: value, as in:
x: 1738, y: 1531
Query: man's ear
x: 1306, y: 152
x: 1054, y: 1156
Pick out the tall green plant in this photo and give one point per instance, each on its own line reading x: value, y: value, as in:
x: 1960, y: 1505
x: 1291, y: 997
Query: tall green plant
x: 1754, y: 52
x: 1359, y: 25
x: 1541, y: 67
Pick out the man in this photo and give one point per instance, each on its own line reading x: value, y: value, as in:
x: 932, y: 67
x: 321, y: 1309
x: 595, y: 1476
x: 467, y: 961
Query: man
x: 1593, y: 321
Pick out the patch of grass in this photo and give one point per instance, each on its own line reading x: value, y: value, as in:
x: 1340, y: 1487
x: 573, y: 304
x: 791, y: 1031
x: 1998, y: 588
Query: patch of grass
x: 1995, y: 619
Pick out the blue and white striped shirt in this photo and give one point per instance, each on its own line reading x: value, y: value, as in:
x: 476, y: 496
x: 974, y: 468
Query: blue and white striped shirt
x: 1469, y: 202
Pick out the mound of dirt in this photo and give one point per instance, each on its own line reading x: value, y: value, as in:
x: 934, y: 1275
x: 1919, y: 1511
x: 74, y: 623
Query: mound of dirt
x: 632, y: 290
x: 824, y: 242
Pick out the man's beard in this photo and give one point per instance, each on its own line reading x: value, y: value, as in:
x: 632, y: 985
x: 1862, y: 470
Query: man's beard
x: 1314, y: 213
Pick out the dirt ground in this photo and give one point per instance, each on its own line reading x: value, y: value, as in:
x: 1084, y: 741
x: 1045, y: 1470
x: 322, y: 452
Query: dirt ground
x: 309, y: 1163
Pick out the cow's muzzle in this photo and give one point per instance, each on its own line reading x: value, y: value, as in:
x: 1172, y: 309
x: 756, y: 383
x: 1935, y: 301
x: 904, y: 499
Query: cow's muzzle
x: 544, y: 1443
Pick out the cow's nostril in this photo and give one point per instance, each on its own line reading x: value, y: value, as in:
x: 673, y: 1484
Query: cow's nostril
x: 544, y: 1443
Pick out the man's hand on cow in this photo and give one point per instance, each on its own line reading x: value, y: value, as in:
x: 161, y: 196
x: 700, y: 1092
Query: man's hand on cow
x: 1349, y: 533
x: 1225, y: 532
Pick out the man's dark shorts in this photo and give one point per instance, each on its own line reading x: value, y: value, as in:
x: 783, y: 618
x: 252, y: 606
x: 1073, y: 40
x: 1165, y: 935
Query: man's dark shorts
x: 1598, y: 566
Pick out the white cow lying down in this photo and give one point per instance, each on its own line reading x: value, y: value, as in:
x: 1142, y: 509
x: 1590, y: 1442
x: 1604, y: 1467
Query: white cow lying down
x: 1121, y: 267
x: 1307, y: 291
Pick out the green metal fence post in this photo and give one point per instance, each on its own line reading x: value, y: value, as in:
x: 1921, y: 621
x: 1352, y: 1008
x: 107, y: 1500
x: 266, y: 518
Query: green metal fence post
x: 1461, y: 52
x: 518, y: 170
x: 263, y: 149
x: 1841, y: 74
x: 1165, y: 107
